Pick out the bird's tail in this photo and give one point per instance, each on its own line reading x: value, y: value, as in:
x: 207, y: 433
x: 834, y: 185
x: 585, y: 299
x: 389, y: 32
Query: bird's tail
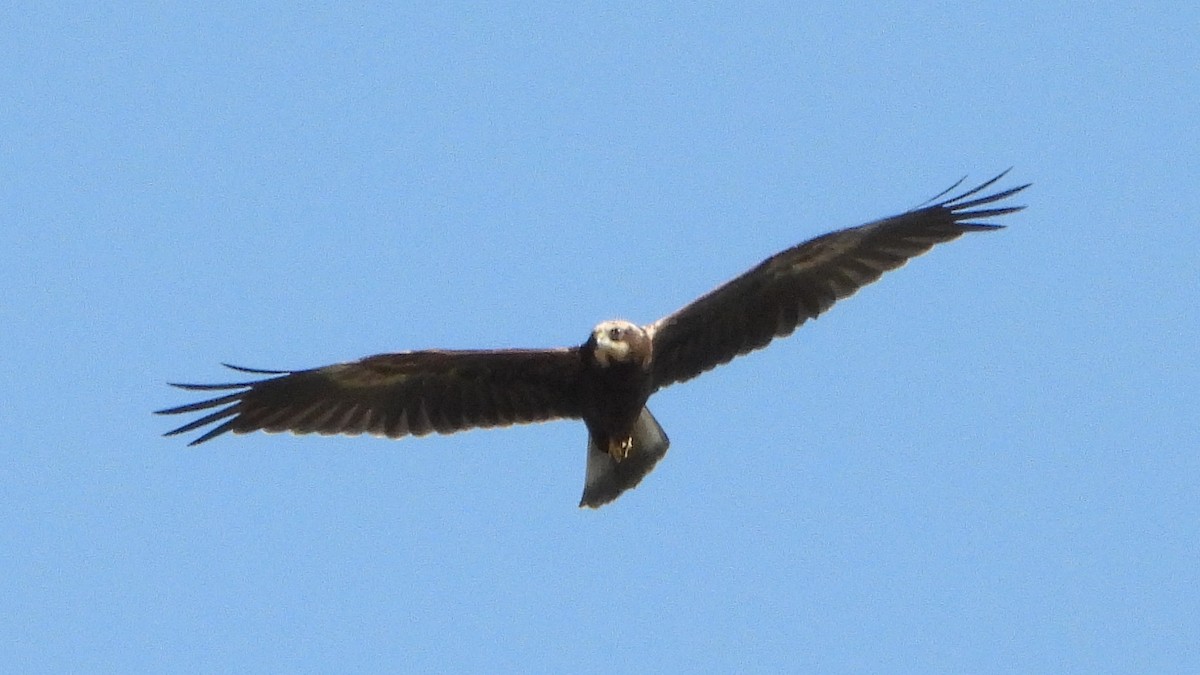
x: 607, y: 478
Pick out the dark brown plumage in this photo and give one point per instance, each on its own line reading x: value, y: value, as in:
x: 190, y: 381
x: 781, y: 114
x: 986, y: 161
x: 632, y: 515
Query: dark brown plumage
x: 607, y: 380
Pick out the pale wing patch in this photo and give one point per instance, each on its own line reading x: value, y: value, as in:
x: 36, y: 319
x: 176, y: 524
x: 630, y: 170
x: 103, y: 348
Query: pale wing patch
x: 804, y: 257
x: 356, y: 374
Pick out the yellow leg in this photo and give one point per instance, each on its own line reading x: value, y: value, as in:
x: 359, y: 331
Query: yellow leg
x: 619, y: 450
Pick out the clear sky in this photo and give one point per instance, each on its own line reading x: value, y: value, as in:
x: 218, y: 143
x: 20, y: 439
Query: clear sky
x: 989, y: 461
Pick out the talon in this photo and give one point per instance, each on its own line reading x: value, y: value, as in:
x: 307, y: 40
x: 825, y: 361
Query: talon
x: 620, y: 449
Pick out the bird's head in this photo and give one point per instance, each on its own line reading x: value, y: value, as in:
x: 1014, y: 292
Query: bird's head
x: 620, y: 341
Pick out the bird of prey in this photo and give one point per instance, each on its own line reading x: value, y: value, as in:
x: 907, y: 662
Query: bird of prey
x: 607, y: 380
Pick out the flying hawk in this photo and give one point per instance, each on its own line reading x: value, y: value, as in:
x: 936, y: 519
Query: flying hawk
x: 607, y: 380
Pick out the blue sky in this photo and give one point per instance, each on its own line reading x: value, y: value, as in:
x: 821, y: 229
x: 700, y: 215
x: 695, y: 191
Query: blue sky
x: 986, y: 462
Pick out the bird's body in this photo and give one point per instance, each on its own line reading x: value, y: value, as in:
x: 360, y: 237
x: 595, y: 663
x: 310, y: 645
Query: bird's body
x: 619, y: 354
x: 608, y: 379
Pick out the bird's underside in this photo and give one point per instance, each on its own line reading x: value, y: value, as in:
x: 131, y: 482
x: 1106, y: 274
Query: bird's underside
x: 607, y: 380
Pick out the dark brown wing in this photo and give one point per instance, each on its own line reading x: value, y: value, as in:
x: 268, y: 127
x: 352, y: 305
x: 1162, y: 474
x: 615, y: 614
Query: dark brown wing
x: 396, y: 395
x: 786, y: 290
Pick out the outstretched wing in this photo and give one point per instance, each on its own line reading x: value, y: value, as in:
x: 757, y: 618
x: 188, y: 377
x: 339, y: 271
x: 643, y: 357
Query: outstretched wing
x: 786, y: 290
x: 396, y: 395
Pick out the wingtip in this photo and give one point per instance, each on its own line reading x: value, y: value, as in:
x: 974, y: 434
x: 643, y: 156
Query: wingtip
x: 175, y: 432
x: 255, y: 371
x: 940, y: 198
x: 943, y: 193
